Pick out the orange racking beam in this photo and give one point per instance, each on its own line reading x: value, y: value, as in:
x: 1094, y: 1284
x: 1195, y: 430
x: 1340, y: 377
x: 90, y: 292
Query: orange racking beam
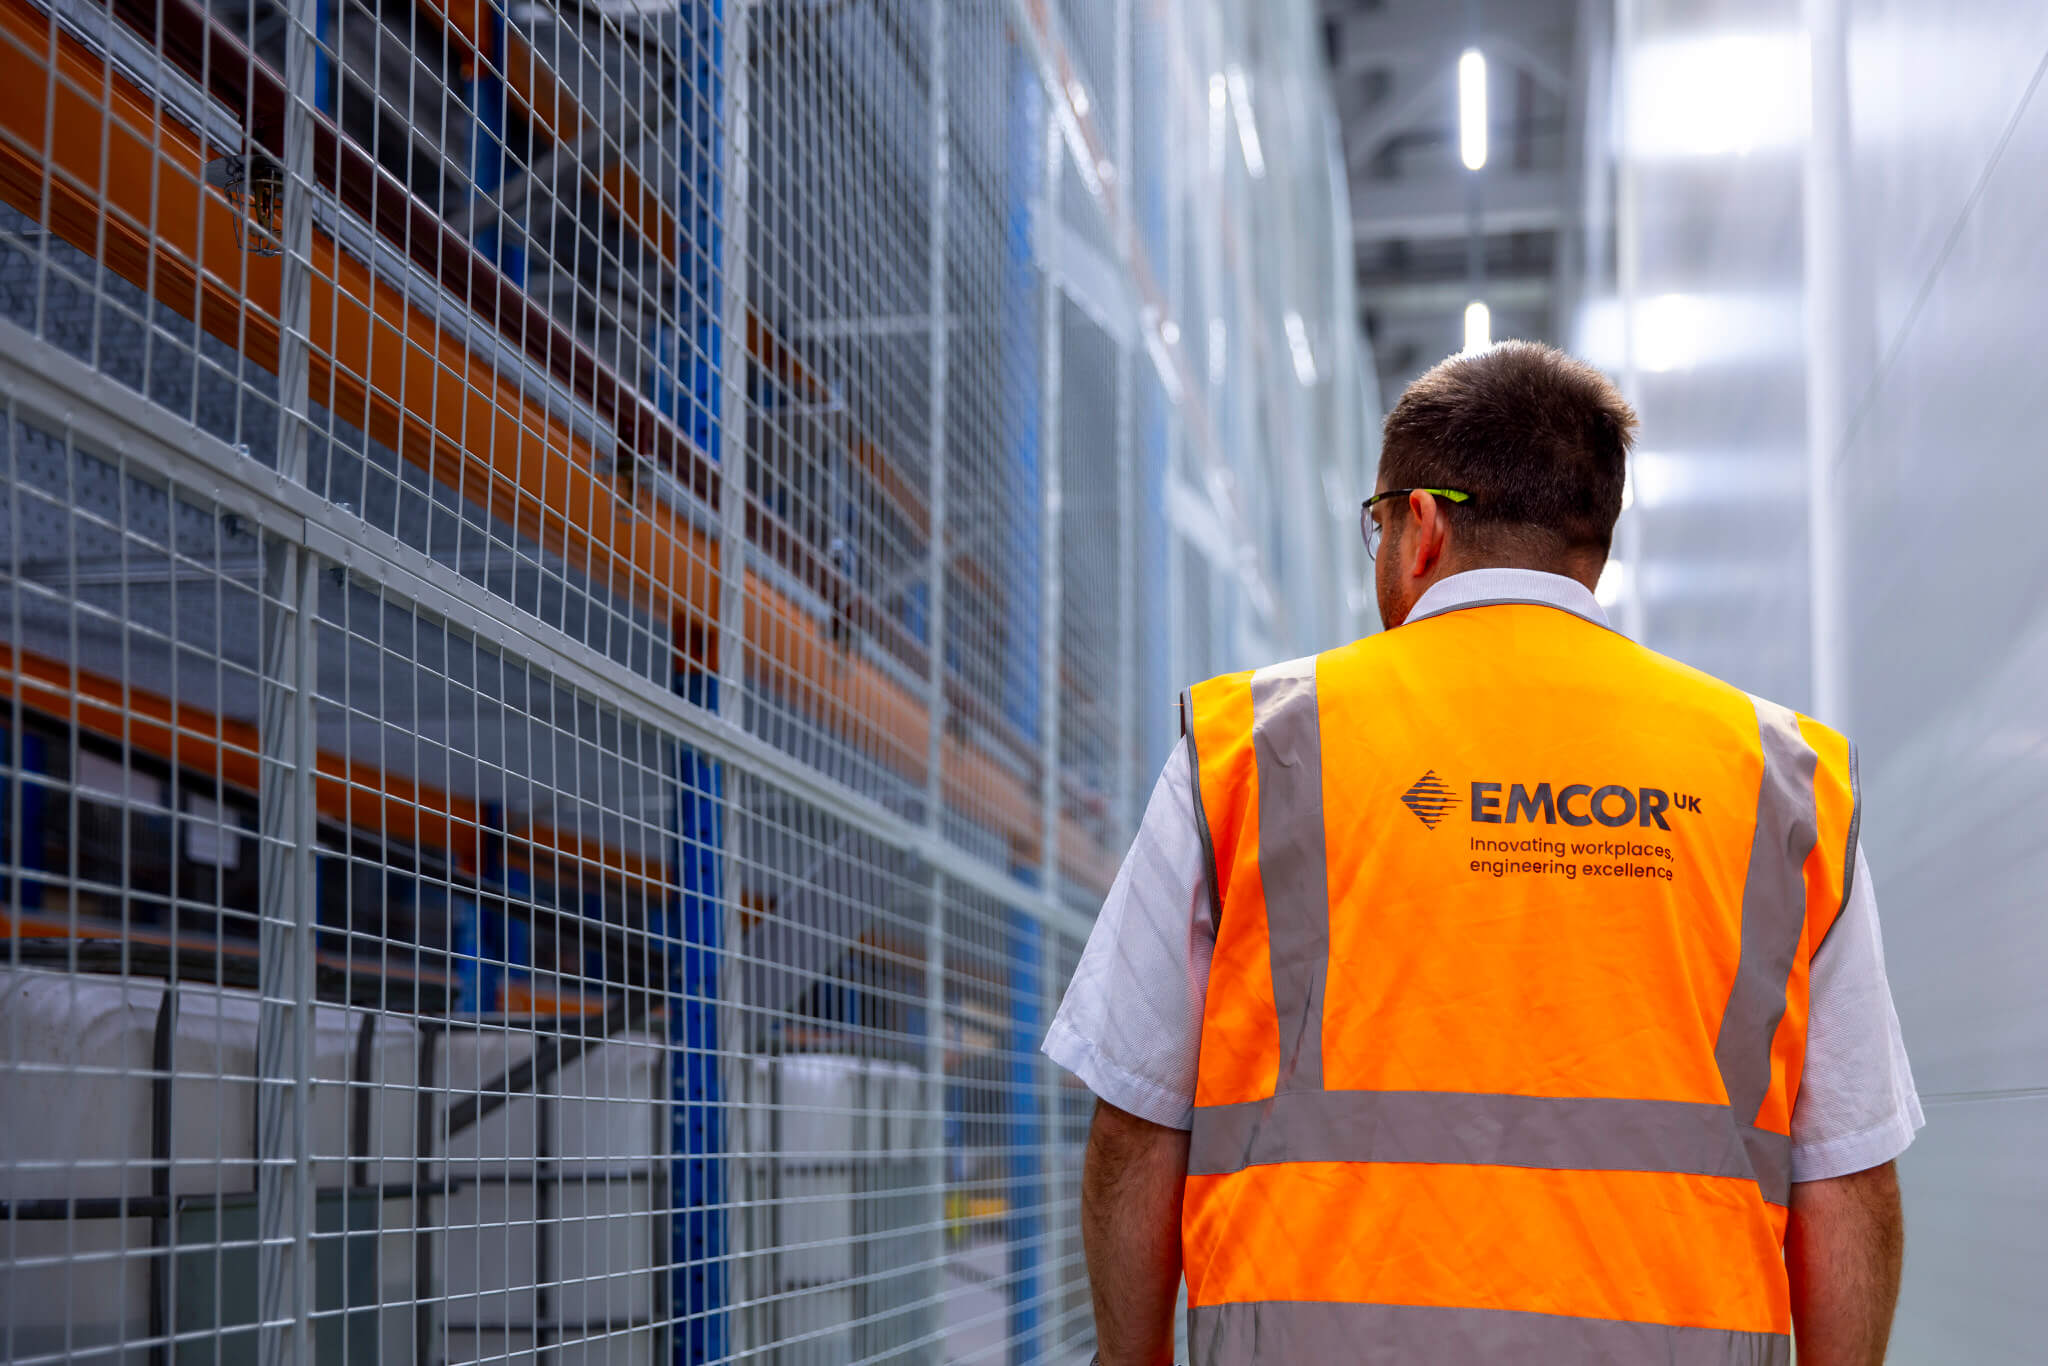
x: 516, y: 997
x: 540, y: 95
x: 194, y: 42
x: 190, y: 37
x: 345, y: 790
x: 123, y: 183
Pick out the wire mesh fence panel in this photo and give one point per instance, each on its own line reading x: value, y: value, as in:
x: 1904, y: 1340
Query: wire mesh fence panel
x: 994, y: 136
x: 1091, y: 33
x: 836, y: 1221
x: 589, y: 594
x: 1092, y: 610
x: 840, y: 174
x: 1069, y: 1107
x: 1154, y: 714
x: 998, y: 1291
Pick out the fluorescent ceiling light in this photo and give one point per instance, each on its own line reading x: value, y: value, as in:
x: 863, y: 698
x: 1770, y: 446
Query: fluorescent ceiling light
x: 1247, y: 130
x: 1478, y: 327
x: 1297, y: 343
x: 1162, y: 361
x: 1219, y: 115
x: 1472, y: 108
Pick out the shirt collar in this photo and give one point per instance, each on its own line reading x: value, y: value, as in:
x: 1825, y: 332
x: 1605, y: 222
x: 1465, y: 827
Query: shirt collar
x: 1482, y: 587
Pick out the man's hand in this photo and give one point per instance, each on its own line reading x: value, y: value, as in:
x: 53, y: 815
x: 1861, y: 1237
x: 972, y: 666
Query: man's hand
x: 1843, y: 1247
x: 1131, y: 1183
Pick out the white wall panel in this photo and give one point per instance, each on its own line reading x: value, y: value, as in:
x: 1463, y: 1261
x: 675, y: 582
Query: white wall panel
x: 1949, y: 641
x: 1939, y: 486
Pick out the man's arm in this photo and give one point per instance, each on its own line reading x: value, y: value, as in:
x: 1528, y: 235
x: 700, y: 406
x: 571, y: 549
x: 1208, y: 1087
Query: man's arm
x: 1131, y: 1183
x: 1843, y: 1247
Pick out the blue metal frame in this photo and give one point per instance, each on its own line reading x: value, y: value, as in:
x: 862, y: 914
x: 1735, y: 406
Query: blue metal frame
x: 323, y: 65
x: 466, y: 948
x: 1027, y: 1225
x: 684, y: 379
x: 487, y: 143
x: 1023, y: 699
x: 489, y: 946
x: 694, y: 940
x: 686, y: 384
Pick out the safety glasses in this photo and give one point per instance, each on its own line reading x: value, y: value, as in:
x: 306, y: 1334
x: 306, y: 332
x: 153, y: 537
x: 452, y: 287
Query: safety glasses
x: 1370, y: 530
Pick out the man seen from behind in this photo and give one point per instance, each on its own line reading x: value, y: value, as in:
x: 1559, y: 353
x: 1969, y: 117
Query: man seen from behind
x: 1493, y: 989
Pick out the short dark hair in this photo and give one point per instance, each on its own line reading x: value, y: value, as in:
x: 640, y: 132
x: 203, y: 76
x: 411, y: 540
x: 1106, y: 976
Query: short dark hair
x: 1539, y: 440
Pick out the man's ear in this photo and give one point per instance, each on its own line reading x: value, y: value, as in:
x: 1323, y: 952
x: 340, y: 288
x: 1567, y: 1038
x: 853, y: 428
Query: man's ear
x: 1428, y: 529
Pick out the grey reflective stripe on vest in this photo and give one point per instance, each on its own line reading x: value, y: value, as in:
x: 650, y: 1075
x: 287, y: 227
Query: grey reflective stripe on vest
x: 1287, y: 742
x: 1555, y: 1133
x: 1848, y: 844
x: 1275, y: 1331
x: 1304, y: 1123
x: 1773, y: 920
x: 1187, y: 705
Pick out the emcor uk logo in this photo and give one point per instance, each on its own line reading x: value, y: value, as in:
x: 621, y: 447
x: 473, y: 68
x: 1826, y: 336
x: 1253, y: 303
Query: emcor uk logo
x: 1429, y: 799
x: 1611, y: 805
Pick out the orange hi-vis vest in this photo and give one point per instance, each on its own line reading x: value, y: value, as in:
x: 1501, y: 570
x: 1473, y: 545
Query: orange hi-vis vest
x: 1508, y: 1003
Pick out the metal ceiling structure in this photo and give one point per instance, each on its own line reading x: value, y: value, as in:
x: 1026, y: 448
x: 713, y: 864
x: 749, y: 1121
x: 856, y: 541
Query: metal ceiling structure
x: 1431, y: 236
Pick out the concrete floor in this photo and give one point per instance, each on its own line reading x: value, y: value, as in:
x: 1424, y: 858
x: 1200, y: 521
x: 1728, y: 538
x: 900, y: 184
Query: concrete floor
x: 977, y: 1314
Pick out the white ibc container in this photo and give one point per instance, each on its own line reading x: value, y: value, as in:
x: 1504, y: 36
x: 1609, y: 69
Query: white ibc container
x: 78, y: 1123
x: 826, y: 1137
x: 610, y: 1139
x: 549, y: 1236
x: 488, y: 1257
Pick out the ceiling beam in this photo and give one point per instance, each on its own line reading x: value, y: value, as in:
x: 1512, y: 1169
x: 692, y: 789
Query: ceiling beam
x: 1422, y: 30
x: 1449, y: 297
x: 1426, y: 99
x: 1422, y: 43
x: 1520, y: 201
x: 1539, y: 68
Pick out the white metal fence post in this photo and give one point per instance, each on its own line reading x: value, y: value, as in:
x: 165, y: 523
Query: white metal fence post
x: 735, y: 454
x: 1838, y: 350
x: 736, y: 122
x: 1126, y: 517
x: 285, y: 938
x: 1050, y: 450
x: 938, y: 361
x: 286, y: 735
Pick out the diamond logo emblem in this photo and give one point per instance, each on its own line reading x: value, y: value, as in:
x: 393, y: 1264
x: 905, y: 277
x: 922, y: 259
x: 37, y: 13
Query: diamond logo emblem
x: 1428, y: 799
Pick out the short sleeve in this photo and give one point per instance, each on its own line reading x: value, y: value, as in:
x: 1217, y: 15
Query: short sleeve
x: 1130, y: 1026
x: 1857, y: 1107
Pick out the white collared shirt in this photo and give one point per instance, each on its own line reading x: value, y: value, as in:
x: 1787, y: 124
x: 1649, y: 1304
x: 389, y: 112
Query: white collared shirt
x: 1131, y: 1024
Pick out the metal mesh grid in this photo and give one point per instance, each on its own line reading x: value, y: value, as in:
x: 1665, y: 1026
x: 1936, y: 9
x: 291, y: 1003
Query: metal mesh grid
x: 1092, y: 567
x: 589, y: 594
